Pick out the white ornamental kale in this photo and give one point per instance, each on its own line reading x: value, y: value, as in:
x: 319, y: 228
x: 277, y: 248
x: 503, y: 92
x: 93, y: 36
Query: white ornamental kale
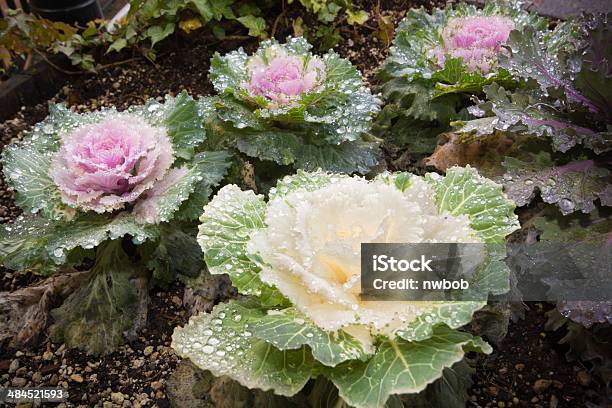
x: 289, y: 106
x: 85, y: 178
x: 298, y: 256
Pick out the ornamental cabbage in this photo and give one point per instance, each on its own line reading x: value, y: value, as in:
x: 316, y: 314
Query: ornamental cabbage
x: 87, y: 182
x: 298, y: 257
x: 284, y: 104
x: 438, y: 61
x: 474, y: 39
x: 105, y: 165
x: 282, y: 78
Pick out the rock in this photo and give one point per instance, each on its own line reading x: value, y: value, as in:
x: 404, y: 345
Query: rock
x: 21, y: 371
x: 14, y: 366
x: 19, y: 382
x: 177, y: 300
x: 18, y: 354
x: 47, y: 355
x: 107, y: 404
x: 4, y: 365
x: 37, y: 377
x: 148, y: 350
x: 138, y: 363
x: 584, y: 378
x: 76, y: 378
x: 117, y: 397
x: 156, y: 385
x: 554, y: 401
x: 493, y: 391
x: 54, y: 380
x: 49, y: 369
x: 541, y: 385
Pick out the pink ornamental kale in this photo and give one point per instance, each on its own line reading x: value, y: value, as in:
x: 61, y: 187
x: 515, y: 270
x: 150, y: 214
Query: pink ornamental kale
x: 103, y: 166
x: 475, y: 39
x: 283, y: 78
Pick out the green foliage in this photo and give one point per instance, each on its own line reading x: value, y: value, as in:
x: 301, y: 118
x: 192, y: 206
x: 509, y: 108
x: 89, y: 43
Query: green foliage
x: 562, y: 103
x: 275, y: 346
x: 422, y: 97
x: 325, y: 128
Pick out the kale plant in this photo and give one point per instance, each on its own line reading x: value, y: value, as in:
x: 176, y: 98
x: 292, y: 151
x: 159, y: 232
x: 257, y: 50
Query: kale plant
x: 297, y: 258
x: 88, y: 182
x: 438, y: 60
x: 287, y: 106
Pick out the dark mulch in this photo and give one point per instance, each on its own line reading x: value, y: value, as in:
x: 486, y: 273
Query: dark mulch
x: 135, y: 374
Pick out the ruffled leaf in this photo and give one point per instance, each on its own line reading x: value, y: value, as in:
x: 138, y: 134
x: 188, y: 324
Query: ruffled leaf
x: 226, y: 226
x: 530, y: 57
x: 223, y: 343
x: 23, y: 244
x: 464, y: 191
x: 205, y: 170
x: 348, y: 157
x: 288, y: 329
x: 402, y: 367
x: 181, y: 118
x: 451, y: 314
x: 302, y: 181
x: 529, y: 112
x: 39, y: 244
x: 89, y: 230
x: 572, y: 187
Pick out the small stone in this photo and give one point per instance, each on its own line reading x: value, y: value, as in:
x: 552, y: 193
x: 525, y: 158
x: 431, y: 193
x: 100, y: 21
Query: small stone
x: 14, y: 366
x: 19, y: 382
x: 37, y: 377
x: 148, y: 350
x: 107, y: 404
x: 18, y: 354
x: 138, y: 363
x: 535, y: 399
x: 584, y: 378
x: 156, y: 385
x: 54, y: 380
x: 541, y: 385
x: 515, y: 400
x: 520, y: 367
x: 117, y: 397
x: 47, y: 355
x: 501, y: 404
x: 21, y: 371
x: 76, y: 378
x: 557, y: 384
x: 554, y: 401
x: 177, y: 300
x: 116, y: 85
x: 493, y: 391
